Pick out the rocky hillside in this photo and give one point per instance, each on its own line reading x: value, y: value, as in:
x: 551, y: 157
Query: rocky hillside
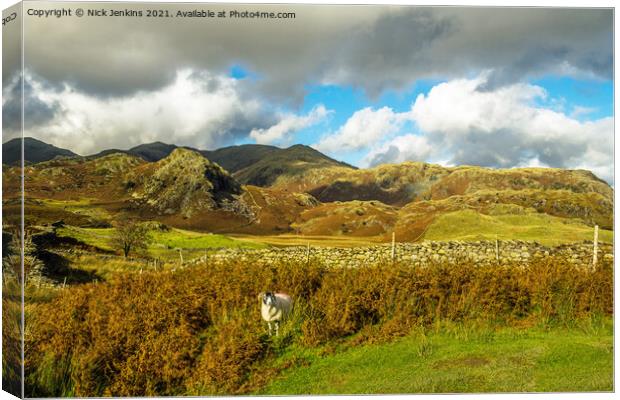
x: 424, y: 187
x: 399, y: 184
x: 77, y: 177
x: 299, y: 190
x: 183, y: 183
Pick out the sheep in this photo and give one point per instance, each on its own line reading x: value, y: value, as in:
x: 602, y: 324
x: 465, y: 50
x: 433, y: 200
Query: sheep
x: 275, y: 307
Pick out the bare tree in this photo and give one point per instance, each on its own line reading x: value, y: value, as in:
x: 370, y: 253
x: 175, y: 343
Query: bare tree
x: 131, y: 235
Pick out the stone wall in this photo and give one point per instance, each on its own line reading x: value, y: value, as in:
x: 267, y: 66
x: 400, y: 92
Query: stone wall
x: 481, y: 252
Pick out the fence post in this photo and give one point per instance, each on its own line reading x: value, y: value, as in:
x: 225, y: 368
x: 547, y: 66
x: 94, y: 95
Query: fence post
x: 393, y: 246
x: 496, y: 249
x: 595, y: 251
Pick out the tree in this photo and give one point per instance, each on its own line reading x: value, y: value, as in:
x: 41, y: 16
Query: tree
x: 131, y: 235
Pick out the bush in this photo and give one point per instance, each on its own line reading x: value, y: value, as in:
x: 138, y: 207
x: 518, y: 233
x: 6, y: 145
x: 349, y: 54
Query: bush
x: 198, y: 330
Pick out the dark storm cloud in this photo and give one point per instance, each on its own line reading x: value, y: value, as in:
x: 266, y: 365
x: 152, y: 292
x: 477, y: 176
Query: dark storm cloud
x: 372, y: 47
x: 396, y: 48
x: 507, y: 148
x: 38, y: 112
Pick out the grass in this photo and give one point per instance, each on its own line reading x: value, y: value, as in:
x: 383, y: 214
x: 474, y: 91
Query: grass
x: 314, y: 240
x: 545, y: 229
x: 165, y: 244
x: 507, y: 360
x: 184, y: 239
x: 81, y: 207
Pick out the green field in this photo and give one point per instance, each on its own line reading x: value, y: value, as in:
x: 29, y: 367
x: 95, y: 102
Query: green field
x: 548, y: 230
x: 460, y: 361
x: 83, y: 206
x: 164, y: 244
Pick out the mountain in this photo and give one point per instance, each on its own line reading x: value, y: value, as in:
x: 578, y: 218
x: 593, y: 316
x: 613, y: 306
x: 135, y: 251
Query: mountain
x: 235, y: 158
x: 252, y: 164
x: 34, y: 151
x: 287, y: 164
x: 153, y: 151
x: 298, y: 189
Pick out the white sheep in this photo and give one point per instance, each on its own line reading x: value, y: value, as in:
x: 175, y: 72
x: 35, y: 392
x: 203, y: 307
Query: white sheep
x: 275, y: 308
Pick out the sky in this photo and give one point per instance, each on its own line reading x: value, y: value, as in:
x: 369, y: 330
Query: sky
x: 495, y: 87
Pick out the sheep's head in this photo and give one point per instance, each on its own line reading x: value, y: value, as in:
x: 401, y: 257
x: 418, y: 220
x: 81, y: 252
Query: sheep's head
x: 268, y: 298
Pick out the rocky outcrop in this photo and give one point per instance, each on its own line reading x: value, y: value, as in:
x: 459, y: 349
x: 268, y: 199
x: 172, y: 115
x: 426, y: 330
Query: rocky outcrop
x: 186, y: 183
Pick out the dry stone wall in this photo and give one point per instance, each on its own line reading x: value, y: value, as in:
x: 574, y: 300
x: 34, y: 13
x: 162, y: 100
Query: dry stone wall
x: 424, y: 253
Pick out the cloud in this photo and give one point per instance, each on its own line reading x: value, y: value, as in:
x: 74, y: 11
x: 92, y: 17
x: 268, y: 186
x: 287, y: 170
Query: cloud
x: 288, y: 124
x: 37, y: 111
x: 197, y: 109
x: 505, y: 127
x: 580, y: 110
x: 370, y: 47
x: 363, y: 129
x: 408, y: 147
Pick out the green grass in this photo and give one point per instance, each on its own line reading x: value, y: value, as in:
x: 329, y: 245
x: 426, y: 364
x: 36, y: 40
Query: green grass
x: 507, y: 360
x: 165, y: 244
x: 96, y: 237
x: 82, y: 206
x: 548, y: 230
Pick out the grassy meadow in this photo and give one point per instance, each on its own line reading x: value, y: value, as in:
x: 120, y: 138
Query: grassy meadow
x: 164, y: 244
x: 458, y: 358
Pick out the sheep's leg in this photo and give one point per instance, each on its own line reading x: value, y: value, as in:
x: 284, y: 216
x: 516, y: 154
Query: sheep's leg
x: 277, y: 328
x: 269, y: 325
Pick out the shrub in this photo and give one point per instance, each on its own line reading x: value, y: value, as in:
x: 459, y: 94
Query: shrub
x: 199, y: 331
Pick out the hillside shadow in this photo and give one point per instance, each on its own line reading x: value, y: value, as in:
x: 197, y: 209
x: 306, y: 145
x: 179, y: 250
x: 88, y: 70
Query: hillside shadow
x: 58, y: 267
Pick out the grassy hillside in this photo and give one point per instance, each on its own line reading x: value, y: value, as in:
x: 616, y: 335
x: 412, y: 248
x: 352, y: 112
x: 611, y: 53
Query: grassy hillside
x: 235, y: 158
x: 458, y: 359
x: 294, y: 162
x: 545, y: 229
x: 353, y: 218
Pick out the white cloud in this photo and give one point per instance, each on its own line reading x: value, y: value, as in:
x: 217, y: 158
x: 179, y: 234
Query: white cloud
x: 197, y: 109
x: 363, y: 129
x: 579, y: 111
x: 457, y: 107
x: 289, y: 123
x: 505, y: 127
